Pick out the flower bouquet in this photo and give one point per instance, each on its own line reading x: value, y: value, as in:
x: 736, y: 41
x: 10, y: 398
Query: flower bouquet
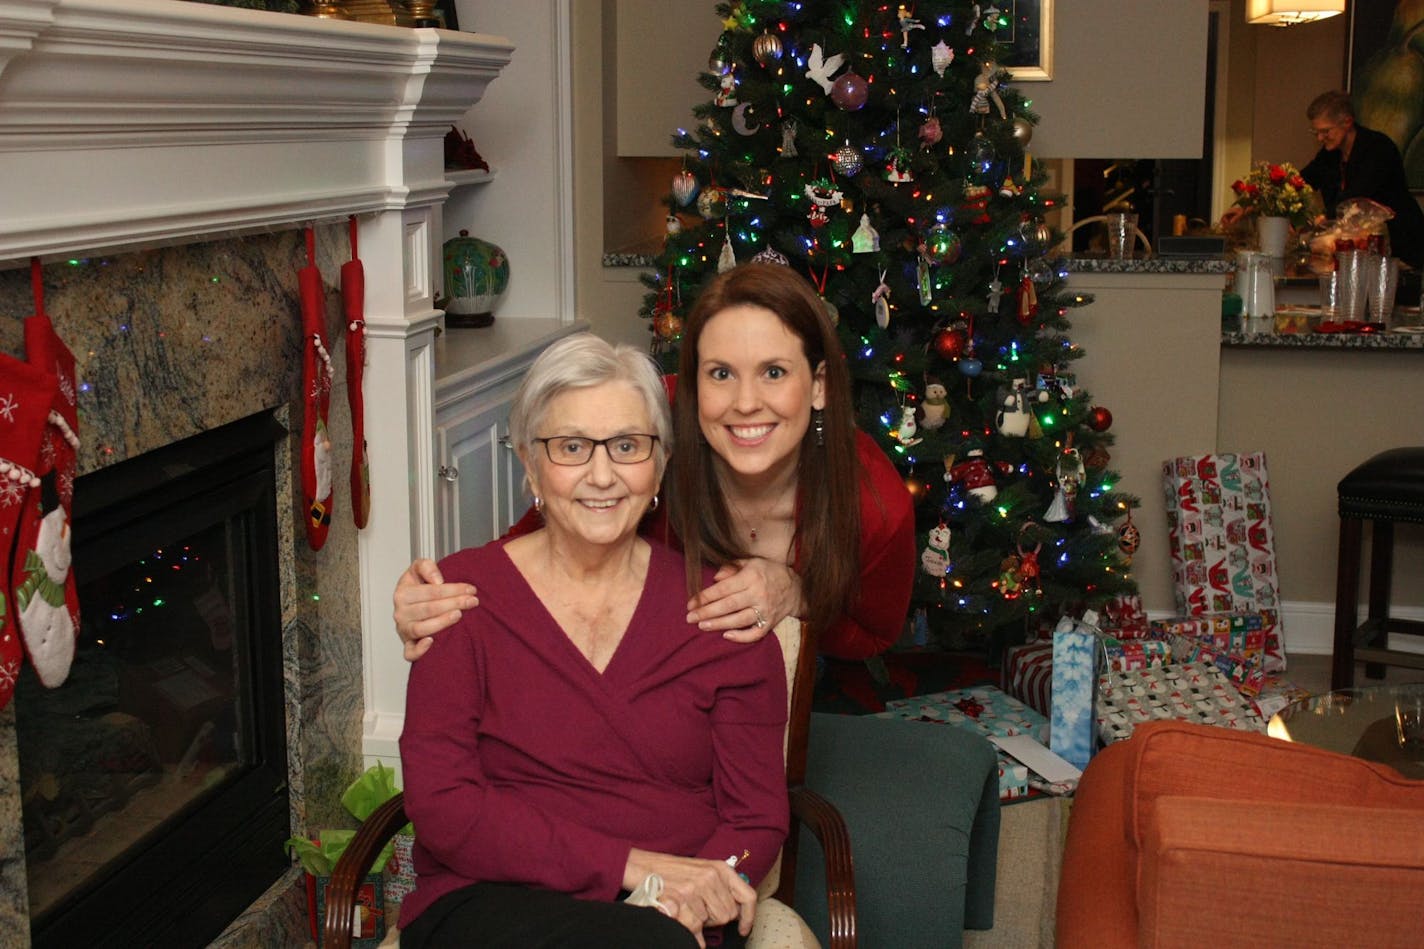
x: 1271, y: 190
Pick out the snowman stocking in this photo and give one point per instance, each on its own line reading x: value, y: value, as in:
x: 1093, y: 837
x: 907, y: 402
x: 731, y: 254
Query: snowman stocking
x: 316, y: 397
x: 26, y: 396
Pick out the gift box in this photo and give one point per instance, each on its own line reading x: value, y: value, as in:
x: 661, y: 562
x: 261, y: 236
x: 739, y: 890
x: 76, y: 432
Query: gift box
x: 1124, y: 655
x: 1123, y: 617
x: 1222, y: 542
x: 1276, y: 693
x: 983, y: 709
x: 1075, y: 680
x: 1185, y: 691
x: 370, y: 914
x: 1028, y: 674
x: 1233, y: 642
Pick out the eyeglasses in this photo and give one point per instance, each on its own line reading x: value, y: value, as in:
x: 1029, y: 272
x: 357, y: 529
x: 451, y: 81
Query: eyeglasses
x: 574, y: 450
x: 1321, y: 133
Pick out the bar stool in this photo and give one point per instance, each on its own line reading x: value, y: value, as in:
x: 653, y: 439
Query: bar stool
x: 1386, y: 489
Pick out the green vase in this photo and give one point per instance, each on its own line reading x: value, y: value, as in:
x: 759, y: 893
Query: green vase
x: 476, y: 277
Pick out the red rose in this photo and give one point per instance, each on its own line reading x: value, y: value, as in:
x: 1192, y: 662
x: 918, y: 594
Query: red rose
x: 1297, y: 182
x: 1278, y: 174
x: 1238, y: 186
x: 1253, y: 189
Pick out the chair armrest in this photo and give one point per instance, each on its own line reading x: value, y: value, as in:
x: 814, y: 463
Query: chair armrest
x: 829, y: 828
x: 1316, y: 874
x: 355, y: 863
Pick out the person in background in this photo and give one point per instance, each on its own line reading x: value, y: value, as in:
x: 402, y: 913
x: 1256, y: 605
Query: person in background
x: 801, y: 513
x: 575, y: 736
x: 1359, y: 162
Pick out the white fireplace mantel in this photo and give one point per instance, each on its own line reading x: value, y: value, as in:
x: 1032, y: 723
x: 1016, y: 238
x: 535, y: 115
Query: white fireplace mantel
x: 126, y: 123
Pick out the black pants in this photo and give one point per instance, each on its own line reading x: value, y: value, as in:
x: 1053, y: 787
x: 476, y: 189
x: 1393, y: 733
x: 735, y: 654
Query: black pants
x: 508, y: 916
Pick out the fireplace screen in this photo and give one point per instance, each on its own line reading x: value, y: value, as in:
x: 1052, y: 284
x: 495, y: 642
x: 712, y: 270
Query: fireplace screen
x: 165, y: 749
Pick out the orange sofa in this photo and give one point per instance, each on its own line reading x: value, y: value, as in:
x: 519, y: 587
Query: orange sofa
x: 1190, y: 835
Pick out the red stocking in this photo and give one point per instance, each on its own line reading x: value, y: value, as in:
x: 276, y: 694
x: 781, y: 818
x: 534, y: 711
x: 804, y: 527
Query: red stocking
x: 353, y: 302
x: 316, y: 396
x: 26, y: 394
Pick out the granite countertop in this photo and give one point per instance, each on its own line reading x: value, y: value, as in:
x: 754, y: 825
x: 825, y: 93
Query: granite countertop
x: 1376, y: 341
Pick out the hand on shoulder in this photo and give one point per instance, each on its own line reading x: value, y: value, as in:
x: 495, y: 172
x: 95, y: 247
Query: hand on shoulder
x: 425, y: 604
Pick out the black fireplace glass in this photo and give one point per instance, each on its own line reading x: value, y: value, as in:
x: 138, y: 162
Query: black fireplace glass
x: 154, y: 779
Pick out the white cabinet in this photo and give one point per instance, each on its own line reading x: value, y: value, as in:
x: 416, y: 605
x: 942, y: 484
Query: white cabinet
x: 480, y: 492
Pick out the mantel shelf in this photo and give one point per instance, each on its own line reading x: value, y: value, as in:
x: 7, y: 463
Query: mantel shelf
x: 131, y: 123
x: 474, y: 176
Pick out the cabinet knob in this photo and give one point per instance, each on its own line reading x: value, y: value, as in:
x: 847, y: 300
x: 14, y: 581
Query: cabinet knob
x: 505, y: 442
x: 449, y: 472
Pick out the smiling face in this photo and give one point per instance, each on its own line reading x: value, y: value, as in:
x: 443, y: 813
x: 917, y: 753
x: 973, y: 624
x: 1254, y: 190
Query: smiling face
x: 755, y: 393
x: 1331, y: 131
x: 598, y: 502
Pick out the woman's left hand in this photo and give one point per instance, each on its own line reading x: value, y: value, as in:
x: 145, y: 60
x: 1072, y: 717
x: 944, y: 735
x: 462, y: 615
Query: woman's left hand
x: 747, y: 599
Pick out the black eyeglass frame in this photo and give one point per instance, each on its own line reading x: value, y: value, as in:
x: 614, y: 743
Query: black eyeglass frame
x: 594, y: 443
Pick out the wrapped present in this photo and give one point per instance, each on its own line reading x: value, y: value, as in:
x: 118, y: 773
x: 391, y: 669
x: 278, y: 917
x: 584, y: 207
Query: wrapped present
x: 1123, y: 617
x: 1185, y: 691
x: 983, y: 709
x: 1075, y: 680
x: 1276, y: 694
x: 1124, y: 655
x: 1240, y: 633
x: 1028, y: 674
x: 1222, y: 541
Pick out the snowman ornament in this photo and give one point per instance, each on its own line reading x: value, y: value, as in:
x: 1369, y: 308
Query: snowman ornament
x: 934, y: 559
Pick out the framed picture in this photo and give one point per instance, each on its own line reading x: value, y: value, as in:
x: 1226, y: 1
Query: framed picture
x: 1030, y: 32
x: 1382, y: 76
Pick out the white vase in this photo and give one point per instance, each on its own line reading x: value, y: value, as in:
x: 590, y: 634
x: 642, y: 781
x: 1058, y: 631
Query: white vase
x: 1271, y: 234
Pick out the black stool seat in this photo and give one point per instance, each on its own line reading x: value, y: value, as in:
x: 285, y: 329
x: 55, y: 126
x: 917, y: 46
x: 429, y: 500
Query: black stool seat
x: 1390, y: 485
x: 1386, y: 489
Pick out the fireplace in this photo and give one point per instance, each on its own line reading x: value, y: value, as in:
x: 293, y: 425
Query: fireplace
x: 154, y: 781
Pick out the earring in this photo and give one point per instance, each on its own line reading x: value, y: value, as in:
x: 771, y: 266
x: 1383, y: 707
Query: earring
x: 538, y: 504
x: 653, y: 506
x: 818, y: 422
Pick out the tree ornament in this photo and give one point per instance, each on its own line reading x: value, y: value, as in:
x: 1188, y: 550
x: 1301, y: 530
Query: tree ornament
x: 975, y: 207
x: 970, y: 366
x: 788, y: 139
x: 769, y: 255
x: 1023, y: 131
x: 1099, y: 419
x: 742, y: 121
x: 1029, y: 571
x: 941, y: 55
x: 726, y: 89
x: 976, y: 474
x: 941, y: 245
x: 996, y: 291
x: 712, y: 202
x: 880, y: 299
x: 823, y: 195
x: 973, y: 23
x: 916, y: 488
x: 674, y: 224
x: 1013, y: 417
x: 667, y: 326
x: 908, y: 432
x: 931, y: 132
x: 684, y: 187
x: 923, y: 280
x: 986, y: 91
x: 950, y: 343
x: 833, y: 312
x: 1129, y: 538
x: 819, y: 67
x: 908, y: 24
x: 718, y: 63
x: 866, y: 239
x: 1028, y: 301
x: 897, y: 169
x: 1070, y: 474
x: 728, y: 258
x: 934, y: 409
x: 1009, y: 585
x: 847, y: 161
x: 934, y: 559
x: 850, y: 91
x: 767, y: 48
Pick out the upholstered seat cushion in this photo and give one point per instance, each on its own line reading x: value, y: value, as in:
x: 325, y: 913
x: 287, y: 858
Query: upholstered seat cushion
x: 1389, y: 486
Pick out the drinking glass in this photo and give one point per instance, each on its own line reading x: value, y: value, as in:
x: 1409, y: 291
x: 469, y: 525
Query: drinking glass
x: 1350, y: 266
x: 1122, y: 235
x: 1383, y: 278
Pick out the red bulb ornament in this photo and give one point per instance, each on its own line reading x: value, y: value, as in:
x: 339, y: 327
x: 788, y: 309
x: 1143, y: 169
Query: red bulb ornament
x: 950, y: 343
x: 1099, y: 419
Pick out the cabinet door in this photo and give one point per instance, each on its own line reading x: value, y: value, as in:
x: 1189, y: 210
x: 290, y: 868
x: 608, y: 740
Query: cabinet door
x: 481, y: 491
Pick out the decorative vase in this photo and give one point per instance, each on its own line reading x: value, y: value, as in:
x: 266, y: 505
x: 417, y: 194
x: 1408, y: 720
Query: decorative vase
x: 1271, y: 234
x: 476, y: 276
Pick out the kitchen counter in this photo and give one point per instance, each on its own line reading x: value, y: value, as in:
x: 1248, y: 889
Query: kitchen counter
x: 1375, y: 341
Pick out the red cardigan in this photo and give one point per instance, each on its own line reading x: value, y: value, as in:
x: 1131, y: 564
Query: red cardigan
x: 887, y: 557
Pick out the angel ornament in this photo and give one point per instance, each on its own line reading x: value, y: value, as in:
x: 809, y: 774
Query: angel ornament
x: 1071, y: 474
x: 788, y: 139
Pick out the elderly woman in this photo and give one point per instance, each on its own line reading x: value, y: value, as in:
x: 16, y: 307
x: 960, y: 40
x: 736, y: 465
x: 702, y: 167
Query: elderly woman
x: 576, y: 735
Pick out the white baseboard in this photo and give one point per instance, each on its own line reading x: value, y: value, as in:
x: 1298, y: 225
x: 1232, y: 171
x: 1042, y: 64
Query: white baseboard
x: 1310, y: 628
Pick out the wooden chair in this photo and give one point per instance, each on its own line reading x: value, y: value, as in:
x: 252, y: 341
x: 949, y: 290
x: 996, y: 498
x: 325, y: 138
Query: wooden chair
x: 777, y: 892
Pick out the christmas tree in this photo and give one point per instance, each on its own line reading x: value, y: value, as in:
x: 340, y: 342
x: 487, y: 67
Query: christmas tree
x: 882, y: 151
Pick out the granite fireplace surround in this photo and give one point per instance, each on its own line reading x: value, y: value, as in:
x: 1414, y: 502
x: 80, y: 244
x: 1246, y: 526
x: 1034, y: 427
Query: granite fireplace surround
x: 161, y: 159
x: 170, y: 343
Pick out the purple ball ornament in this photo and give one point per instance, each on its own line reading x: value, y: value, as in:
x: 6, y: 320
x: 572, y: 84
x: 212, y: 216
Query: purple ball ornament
x: 850, y: 91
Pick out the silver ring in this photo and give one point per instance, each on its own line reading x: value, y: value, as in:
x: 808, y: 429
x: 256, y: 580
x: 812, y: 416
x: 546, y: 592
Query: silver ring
x: 761, y: 621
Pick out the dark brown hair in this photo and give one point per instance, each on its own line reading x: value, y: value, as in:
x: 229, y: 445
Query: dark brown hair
x: 827, y: 540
